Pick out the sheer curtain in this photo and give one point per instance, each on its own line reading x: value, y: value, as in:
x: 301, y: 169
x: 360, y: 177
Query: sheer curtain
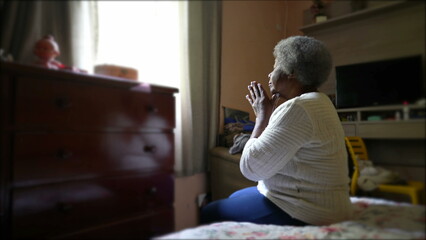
x: 201, y: 31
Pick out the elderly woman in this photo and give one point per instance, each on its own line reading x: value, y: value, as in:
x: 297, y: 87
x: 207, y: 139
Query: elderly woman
x: 296, y: 152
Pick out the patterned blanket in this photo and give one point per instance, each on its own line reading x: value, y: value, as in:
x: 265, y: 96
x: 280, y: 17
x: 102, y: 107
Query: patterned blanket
x: 373, y: 219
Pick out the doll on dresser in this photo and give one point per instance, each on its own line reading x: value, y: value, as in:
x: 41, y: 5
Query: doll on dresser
x: 46, y: 50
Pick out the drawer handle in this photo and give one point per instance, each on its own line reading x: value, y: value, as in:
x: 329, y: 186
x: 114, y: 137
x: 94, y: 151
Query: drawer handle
x: 150, y: 149
x: 62, y: 102
x: 152, y: 109
x: 64, y: 207
x: 152, y: 191
x: 64, y: 154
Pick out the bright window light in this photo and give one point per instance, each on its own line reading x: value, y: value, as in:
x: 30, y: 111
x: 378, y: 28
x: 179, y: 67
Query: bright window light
x: 143, y: 35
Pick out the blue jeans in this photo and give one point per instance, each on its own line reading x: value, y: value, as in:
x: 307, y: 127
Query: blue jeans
x: 247, y: 205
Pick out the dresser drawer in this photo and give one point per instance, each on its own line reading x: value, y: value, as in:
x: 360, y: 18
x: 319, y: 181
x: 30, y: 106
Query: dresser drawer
x: 67, y: 207
x: 144, y: 227
x: 45, y: 157
x: 65, y: 104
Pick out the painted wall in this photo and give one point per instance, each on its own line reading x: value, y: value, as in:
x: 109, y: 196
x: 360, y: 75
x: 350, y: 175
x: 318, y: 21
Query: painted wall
x: 187, y: 190
x: 250, y: 30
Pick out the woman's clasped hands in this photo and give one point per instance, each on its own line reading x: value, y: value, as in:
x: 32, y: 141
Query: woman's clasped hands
x: 262, y: 105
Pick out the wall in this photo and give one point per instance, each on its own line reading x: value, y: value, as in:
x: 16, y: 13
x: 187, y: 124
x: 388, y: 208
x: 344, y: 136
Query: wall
x: 250, y: 30
x: 187, y: 190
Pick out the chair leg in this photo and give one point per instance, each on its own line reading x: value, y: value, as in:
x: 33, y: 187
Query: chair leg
x: 414, y: 197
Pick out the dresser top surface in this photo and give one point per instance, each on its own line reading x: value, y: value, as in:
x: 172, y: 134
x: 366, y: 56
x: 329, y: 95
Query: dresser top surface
x: 18, y: 69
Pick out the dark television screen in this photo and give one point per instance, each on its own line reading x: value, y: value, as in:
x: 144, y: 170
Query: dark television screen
x: 378, y: 83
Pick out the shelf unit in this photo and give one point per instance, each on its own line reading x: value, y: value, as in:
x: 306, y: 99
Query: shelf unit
x: 358, y: 15
x: 384, y: 122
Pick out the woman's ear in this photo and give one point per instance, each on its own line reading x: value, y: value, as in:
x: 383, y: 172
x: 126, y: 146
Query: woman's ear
x: 292, y: 76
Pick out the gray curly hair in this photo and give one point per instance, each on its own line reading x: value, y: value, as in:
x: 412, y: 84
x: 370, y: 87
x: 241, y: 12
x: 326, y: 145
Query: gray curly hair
x: 306, y: 57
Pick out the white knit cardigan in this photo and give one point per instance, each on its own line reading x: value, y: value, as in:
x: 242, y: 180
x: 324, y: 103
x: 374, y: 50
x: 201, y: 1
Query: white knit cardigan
x: 300, y: 161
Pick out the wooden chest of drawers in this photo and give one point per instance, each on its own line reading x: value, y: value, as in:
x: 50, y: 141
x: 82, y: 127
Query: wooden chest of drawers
x: 84, y: 156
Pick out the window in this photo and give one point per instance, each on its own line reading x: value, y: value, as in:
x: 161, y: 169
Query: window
x: 143, y: 35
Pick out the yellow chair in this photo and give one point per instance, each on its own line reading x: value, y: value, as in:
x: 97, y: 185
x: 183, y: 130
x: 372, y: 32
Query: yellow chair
x: 358, y: 151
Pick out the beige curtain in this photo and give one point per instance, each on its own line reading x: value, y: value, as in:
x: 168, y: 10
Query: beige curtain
x: 199, y: 90
x: 70, y: 22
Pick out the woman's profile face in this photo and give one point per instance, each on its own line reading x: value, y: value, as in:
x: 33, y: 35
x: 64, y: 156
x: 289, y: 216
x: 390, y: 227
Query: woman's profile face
x: 276, y: 81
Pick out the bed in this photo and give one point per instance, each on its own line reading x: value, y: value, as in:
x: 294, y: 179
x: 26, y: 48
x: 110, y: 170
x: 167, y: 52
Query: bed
x: 373, y: 219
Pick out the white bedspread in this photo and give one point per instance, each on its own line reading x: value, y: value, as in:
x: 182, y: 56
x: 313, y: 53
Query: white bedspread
x: 373, y: 219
